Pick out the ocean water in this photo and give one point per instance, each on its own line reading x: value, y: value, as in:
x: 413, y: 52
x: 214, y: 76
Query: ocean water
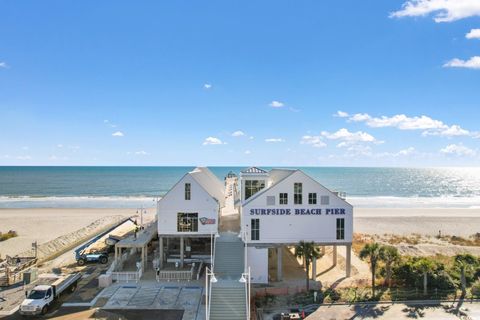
x: 131, y: 187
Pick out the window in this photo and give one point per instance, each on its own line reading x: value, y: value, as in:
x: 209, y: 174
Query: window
x: 297, y: 193
x: 312, y: 198
x: 340, y: 229
x: 283, y: 198
x: 325, y: 200
x: 188, y: 192
x: 187, y: 222
x: 255, y: 229
x: 270, y: 200
x: 252, y: 187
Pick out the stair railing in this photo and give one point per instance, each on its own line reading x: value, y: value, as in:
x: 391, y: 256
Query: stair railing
x: 208, y: 290
x: 247, y: 281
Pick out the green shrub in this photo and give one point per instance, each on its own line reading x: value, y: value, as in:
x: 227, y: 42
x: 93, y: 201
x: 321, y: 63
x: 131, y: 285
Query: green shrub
x: 476, y: 289
x: 8, y: 235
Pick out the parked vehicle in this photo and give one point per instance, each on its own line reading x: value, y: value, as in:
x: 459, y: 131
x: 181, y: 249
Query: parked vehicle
x: 41, y: 297
x: 91, y: 257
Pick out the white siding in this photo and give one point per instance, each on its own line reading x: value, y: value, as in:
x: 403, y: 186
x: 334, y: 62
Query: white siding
x: 293, y: 228
x: 258, y: 262
x: 174, y: 202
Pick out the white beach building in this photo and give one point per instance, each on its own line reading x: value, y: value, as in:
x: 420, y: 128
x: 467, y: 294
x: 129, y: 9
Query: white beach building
x: 282, y: 207
x: 278, y: 208
x: 189, y: 211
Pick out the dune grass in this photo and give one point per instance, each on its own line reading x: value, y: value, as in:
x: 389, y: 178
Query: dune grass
x: 8, y: 235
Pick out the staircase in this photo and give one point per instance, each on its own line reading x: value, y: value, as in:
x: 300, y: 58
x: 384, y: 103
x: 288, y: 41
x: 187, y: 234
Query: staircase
x: 228, y: 295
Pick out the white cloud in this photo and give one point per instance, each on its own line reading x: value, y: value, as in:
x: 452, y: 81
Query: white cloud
x: 207, y: 86
x: 405, y: 152
x: 25, y: 148
x: 59, y: 145
x: 314, y: 141
x: 430, y: 126
x: 212, y: 141
x: 274, y: 140
x: 452, y: 131
x: 347, y: 138
x: 276, y: 104
x: 443, y: 10
x: 472, y: 63
x: 24, y: 157
x: 3, y: 65
x: 141, y: 153
x: 238, y: 133
x: 341, y: 114
x: 473, y: 34
x: 458, y: 149
x: 248, y: 152
x: 118, y: 134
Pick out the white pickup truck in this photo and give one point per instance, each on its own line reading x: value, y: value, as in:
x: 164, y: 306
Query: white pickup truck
x: 42, y: 296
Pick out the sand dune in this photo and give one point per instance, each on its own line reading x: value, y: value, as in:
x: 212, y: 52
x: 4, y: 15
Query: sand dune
x: 65, y: 226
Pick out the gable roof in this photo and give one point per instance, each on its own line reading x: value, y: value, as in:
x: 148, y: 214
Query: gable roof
x: 210, y: 183
x: 284, y: 174
x: 254, y: 170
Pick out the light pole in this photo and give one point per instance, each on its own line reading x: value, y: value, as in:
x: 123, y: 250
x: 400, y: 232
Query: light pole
x: 213, y: 279
x: 142, y: 211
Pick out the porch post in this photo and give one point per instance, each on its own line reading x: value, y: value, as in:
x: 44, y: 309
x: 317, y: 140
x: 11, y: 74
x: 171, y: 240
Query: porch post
x: 314, y: 269
x: 348, y: 266
x: 160, y: 241
x: 334, y: 255
x: 182, y: 249
x: 279, y: 263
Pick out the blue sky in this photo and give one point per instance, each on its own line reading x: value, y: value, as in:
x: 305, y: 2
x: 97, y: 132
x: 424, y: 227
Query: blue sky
x: 240, y: 82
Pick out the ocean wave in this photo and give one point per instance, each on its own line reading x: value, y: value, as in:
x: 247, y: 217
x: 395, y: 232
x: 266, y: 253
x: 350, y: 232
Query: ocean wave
x: 77, y: 202
x: 148, y: 201
x: 415, y: 202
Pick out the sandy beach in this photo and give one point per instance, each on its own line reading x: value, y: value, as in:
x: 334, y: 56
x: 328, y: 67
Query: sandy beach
x: 47, y: 224
x: 44, y: 225
x: 425, y: 221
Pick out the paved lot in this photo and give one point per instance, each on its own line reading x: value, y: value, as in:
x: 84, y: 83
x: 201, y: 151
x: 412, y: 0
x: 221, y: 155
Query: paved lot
x: 155, y: 296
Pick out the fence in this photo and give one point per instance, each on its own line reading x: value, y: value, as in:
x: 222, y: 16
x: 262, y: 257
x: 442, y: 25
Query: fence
x: 352, y: 295
x: 178, y: 275
x: 123, y: 276
x: 127, y: 276
x: 12, y: 269
x: 275, y: 291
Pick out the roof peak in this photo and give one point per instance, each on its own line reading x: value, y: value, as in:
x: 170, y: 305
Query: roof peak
x: 254, y: 170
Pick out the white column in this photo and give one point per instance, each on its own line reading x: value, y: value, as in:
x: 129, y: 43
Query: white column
x: 182, y: 249
x: 161, y: 254
x: 279, y: 263
x: 335, y: 255
x: 314, y: 269
x: 348, y: 266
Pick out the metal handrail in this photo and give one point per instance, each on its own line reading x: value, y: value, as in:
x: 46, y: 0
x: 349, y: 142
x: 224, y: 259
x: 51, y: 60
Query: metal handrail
x: 208, y: 293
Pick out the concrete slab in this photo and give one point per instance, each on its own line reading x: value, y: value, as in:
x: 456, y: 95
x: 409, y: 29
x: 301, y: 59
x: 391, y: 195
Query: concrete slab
x: 122, y: 297
x: 189, y: 299
x: 167, y: 297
